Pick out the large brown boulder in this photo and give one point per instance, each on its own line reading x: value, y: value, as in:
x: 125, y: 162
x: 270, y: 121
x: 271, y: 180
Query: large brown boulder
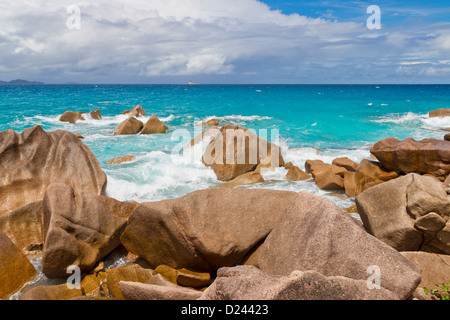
x: 439, y: 113
x: 129, y: 127
x: 236, y: 150
x: 71, y: 116
x: 23, y: 227
x: 15, y: 269
x: 78, y: 230
x: 315, y: 235
x: 428, y: 156
x: 410, y: 213
x: 435, y: 271
x: 154, y: 126
x: 206, y: 229
x: 250, y: 283
x: 34, y: 159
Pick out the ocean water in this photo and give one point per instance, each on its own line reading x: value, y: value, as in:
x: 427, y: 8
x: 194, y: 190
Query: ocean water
x: 314, y: 122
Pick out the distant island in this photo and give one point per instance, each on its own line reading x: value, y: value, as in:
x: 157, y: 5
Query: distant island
x: 21, y: 82
x: 190, y: 83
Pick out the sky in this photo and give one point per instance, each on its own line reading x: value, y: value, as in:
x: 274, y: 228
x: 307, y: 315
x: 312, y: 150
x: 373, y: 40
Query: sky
x: 225, y: 41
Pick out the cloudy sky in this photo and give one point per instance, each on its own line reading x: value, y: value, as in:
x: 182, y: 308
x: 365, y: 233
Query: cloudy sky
x: 224, y: 41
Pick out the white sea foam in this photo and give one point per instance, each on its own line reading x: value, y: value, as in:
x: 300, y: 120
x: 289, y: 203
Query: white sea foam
x: 416, y: 120
x: 237, y: 118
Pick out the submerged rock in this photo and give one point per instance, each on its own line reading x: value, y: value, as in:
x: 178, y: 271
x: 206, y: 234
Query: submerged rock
x: 242, y: 180
x: 120, y: 160
x: 210, y: 123
x: 34, y: 159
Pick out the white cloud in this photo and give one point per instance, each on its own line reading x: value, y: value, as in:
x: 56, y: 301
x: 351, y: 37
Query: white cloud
x: 153, y: 38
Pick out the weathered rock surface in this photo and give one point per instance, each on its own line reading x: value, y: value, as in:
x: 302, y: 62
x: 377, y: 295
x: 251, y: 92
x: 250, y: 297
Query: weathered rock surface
x: 23, y: 227
x: 15, y: 269
x: 428, y: 156
x: 435, y: 271
x: 34, y: 159
x: 151, y: 292
x: 78, y: 230
x: 236, y: 150
x: 250, y: 283
x: 316, y: 235
x: 410, y: 213
x: 206, y: 229
x: 129, y: 127
x: 154, y: 126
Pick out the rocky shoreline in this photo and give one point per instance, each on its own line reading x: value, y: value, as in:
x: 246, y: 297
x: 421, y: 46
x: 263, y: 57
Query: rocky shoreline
x: 225, y: 243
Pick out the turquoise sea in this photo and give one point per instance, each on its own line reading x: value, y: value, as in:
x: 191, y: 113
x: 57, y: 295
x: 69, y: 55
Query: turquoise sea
x: 314, y: 122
